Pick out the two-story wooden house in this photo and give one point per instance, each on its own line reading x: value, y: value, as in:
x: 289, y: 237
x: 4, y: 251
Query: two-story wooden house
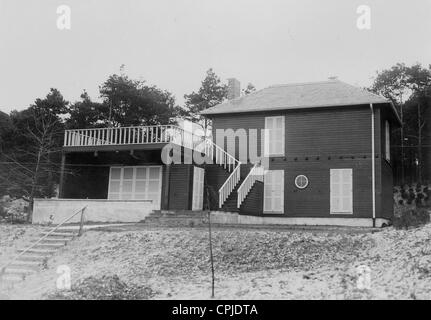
x: 324, y: 166
x: 311, y: 153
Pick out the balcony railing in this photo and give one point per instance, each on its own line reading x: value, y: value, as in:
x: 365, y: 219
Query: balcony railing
x: 131, y: 135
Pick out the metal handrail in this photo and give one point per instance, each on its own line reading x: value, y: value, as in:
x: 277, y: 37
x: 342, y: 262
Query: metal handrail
x: 45, y: 236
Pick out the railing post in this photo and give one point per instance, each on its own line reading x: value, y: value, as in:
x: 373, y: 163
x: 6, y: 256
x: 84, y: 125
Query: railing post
x: 81, y: 224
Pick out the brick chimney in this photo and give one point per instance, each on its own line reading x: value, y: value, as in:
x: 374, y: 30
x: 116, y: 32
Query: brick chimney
x: 234, y: 88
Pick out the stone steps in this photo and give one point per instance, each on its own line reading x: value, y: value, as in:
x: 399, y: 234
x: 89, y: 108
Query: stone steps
x: 60, y: 234
x: 31, y: 260
x: 30, y: 265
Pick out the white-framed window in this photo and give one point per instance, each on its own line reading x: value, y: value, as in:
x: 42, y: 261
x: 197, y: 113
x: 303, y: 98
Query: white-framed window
x: 301, y: 181
x: 387, y: 141
x: 341, y: 191
x: 274, y: 136
x: 135, y: 183
x: 273, y: 201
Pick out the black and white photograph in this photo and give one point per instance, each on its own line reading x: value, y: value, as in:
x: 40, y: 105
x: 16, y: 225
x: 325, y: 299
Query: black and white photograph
x: 215, y: 154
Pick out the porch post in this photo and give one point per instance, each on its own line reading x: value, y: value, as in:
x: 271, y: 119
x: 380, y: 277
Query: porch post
x: 60, y: 187
x: 166, y: 179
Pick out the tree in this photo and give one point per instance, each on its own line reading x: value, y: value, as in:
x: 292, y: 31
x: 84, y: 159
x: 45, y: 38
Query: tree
x: 30, y: 165
x: 84, y: 114
x: 249, y: 89
x: 409, y: 89
x: 417, y: 107
x: 52, y: 105
x: 128, y: 102
x: 6, y: 129
x: 392, y: 84
x: 211, y: 93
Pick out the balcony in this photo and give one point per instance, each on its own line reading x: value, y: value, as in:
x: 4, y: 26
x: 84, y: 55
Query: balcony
x: 143, y: 136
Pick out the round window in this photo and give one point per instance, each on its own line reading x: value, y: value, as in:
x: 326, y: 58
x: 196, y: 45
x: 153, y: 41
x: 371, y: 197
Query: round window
x: 301, y: 181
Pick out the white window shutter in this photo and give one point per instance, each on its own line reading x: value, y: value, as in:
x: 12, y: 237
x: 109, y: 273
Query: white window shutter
x: 198, y: 188
x: 341, y: 191
x: 274, y: 135
x: 274, y: 191
x: 335, y: 190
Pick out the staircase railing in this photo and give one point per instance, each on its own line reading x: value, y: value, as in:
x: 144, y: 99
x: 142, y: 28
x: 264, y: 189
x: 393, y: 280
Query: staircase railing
x: 220, y: 156
x: 256, y: 174
x: 227, y: 161
x: 227, y: 187
x: 81, y: 225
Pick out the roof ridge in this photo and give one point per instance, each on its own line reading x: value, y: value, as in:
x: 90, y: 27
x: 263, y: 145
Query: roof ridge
x: 303, y: 83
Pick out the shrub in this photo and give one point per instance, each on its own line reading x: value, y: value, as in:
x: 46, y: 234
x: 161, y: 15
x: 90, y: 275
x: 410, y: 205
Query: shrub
x: 108, y: 287
x: 410, y: 217
x: 14, y: 211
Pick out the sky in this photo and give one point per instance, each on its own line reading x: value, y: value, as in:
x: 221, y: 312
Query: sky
x: 171, y: 43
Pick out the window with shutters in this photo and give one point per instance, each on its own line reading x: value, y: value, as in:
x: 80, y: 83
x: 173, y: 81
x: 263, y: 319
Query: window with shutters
x: 135, y: 183
x: 274, y: 136
x: 341, y: 191
x: 387, y: 141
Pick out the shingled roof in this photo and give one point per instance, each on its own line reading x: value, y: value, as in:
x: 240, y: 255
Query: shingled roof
x: 298, y: 96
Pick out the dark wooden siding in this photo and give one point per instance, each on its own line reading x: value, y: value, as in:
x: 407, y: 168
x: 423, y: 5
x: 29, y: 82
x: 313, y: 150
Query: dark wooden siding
x: 180, y: 189
x: 315, y: 142
x: 254, y: 203
x: 87, y: 183
x: 215, y: 176
x: 314, y: 201
x: 310, y: 132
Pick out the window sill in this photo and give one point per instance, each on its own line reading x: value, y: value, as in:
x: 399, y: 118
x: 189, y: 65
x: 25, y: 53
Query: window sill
x: 341, y: 213
x: 278, y: 155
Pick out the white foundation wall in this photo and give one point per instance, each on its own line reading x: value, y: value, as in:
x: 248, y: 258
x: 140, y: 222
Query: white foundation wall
x: 234, y: 218
x: 46, y: 211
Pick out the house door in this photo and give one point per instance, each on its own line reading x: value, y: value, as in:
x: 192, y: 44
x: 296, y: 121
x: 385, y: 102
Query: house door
x: 273, y: 201
x: 136, y: 183
x: 198, y: 188
x: 341, y: 191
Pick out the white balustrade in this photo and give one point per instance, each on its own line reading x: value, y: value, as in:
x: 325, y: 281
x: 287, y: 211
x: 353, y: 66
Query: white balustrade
x: 256, y: 174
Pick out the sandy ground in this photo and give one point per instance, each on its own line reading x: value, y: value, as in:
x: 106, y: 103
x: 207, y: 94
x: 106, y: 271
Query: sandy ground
x: 249, y: 263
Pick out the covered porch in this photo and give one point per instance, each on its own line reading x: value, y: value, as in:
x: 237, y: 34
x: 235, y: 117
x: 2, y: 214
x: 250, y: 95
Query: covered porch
x: 125, y: 163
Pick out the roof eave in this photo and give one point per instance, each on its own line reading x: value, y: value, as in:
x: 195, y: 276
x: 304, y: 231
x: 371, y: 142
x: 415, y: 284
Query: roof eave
x: 206, y: 113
